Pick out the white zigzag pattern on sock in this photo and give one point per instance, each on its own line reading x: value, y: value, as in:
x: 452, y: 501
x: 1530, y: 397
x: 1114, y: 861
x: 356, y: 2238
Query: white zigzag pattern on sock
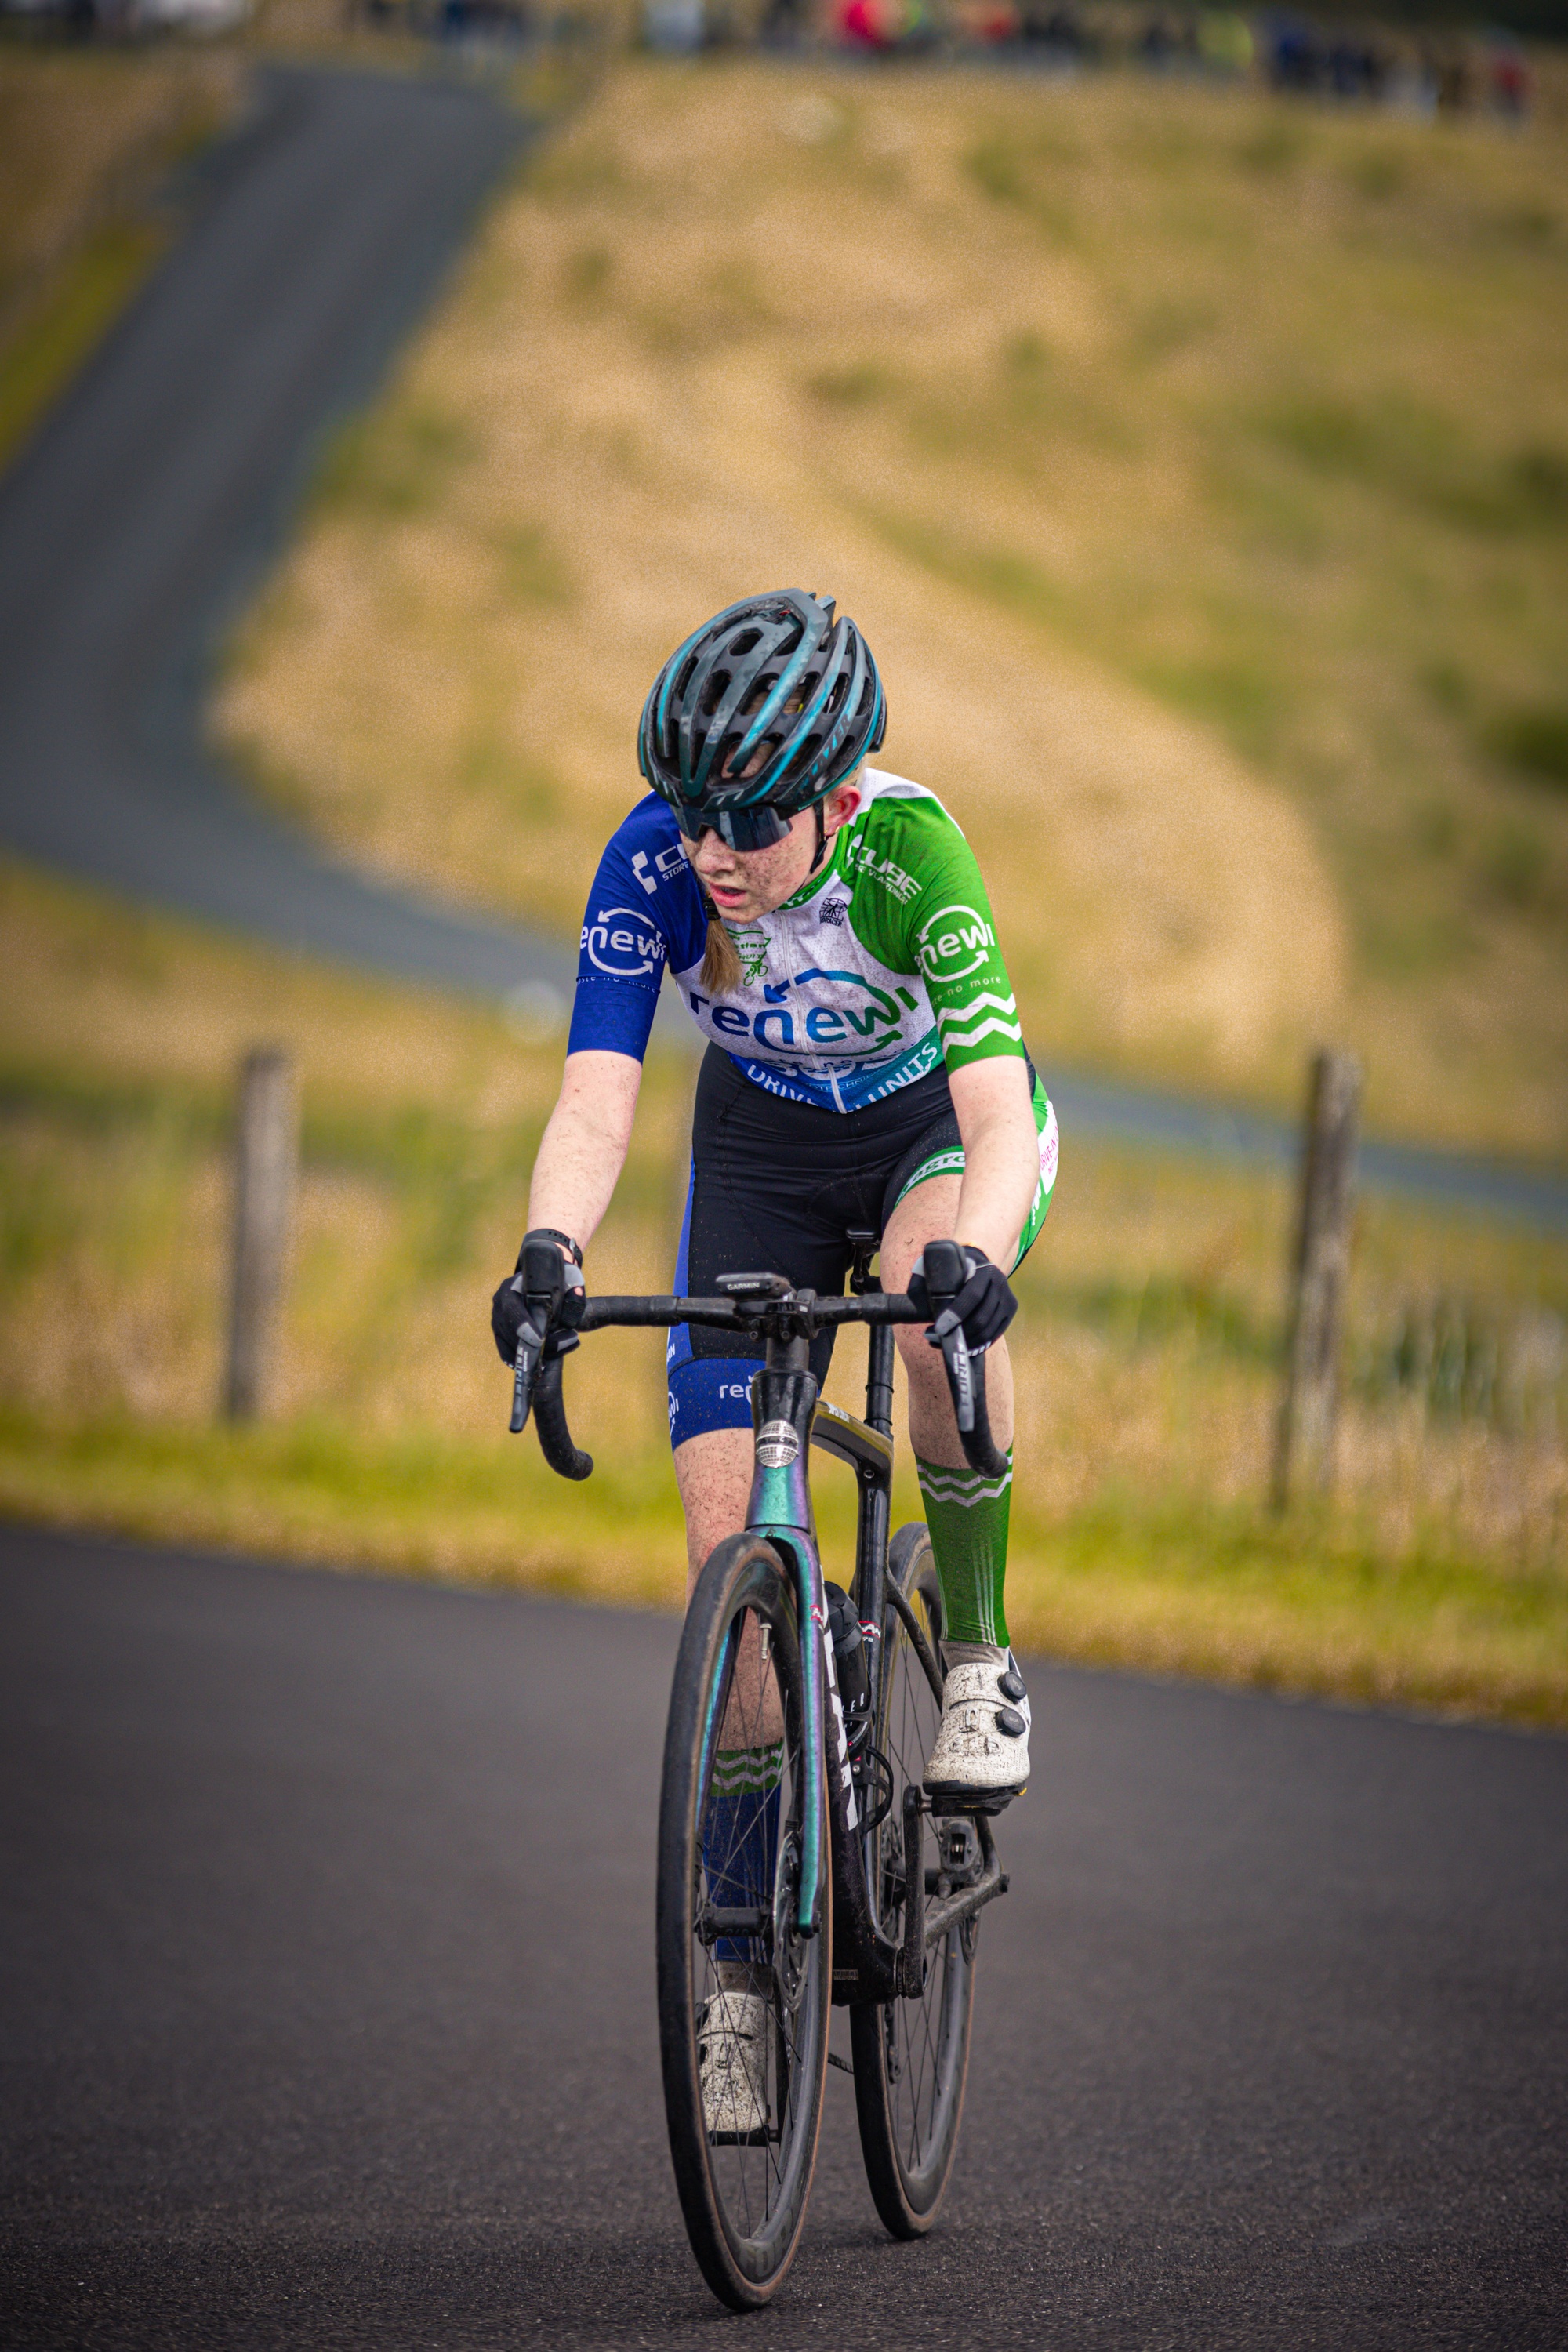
x: 942, y: 1490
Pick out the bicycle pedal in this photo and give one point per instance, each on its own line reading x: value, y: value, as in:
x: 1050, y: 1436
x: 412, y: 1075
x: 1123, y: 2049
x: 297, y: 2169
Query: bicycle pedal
x: 743, y: 2139
x: 944, y: 1804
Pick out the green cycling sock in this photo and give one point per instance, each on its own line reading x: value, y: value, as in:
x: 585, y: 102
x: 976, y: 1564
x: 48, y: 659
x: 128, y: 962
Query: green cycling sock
x: 967, y: 1515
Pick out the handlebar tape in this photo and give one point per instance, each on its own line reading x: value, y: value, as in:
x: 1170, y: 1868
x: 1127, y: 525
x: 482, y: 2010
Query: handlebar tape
x: 550, y: 1420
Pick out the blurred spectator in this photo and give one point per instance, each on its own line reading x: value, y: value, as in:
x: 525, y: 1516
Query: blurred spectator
x: 1451, y: 77
x: 1056, y: 32
x: 1160, y: 45
x: 673, y: 26
x: 783, y: 25
x: 1507, y: 75
x: 1293, y: 57
x: 996, y: 21
x: 878, y: 26
x: 1225, y: 42
x: 862, y: 24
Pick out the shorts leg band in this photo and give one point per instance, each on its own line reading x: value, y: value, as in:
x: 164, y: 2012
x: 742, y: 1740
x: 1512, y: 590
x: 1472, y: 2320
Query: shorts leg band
x: 710, y: 1393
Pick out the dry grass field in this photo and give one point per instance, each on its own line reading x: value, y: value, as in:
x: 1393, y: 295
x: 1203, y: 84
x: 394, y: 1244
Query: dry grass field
x: 1197, y: 463
x: 1148, y: 1351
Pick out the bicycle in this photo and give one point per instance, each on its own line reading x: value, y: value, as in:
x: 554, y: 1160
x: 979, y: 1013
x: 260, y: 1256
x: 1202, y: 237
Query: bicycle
x: 841, y: 1698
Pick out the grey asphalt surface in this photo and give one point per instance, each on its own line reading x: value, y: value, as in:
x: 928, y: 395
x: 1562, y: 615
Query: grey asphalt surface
x: 135, y: 526
x: 327, y: 2012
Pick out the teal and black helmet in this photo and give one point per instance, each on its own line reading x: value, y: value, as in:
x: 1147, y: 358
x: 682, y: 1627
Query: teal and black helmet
x: 759, y: 715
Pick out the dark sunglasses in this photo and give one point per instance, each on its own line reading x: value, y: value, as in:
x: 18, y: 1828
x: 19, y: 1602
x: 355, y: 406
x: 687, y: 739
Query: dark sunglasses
x: 742, y: 828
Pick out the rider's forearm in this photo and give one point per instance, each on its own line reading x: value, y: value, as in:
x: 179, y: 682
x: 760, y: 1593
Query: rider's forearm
x: 1002, y: 1159
x: 584, y: 1145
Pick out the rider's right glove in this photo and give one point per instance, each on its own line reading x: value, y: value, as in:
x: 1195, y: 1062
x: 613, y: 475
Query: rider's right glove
x: 984, y: 1305
x: 510, y: 1313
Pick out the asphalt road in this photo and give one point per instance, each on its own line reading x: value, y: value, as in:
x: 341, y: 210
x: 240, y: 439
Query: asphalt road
x: 135, y: 526
x: 326, y: 1998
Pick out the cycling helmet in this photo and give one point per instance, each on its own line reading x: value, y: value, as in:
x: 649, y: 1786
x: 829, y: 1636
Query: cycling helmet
x: 777, y: 676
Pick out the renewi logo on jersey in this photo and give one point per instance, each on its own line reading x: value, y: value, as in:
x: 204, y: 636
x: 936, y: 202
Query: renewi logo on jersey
x: 954, y: 941
x: 619, y: 941
x: 871, y: 1027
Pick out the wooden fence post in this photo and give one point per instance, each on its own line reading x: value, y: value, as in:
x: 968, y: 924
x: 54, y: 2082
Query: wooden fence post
x: 1304, y: 1450
x: 266, y: 1148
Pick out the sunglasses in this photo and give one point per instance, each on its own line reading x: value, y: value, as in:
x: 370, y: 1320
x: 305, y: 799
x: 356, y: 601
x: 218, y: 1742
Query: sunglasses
x: 740, y: 829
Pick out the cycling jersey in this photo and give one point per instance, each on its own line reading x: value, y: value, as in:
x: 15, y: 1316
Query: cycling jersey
x: 884, y: 967
x: 857, y: 998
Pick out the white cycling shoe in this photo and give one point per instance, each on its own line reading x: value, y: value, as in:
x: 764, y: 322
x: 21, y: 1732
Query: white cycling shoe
x: 981, y: 1759
x: 733, y: 2067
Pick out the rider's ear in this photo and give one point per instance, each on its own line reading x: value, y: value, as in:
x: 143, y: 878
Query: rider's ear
x: 842, y: 802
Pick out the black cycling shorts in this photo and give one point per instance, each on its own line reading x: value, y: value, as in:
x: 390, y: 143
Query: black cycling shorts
x: 776, y: 1188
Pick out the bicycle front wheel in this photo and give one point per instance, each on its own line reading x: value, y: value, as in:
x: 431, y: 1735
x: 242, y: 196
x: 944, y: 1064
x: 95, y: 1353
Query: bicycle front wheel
x: 743, y: 1997
x: 912, y: 2057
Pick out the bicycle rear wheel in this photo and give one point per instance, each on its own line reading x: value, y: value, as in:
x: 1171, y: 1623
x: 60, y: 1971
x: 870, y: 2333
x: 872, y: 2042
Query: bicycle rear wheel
x: 741, y: 1994
x: 912, y: 2057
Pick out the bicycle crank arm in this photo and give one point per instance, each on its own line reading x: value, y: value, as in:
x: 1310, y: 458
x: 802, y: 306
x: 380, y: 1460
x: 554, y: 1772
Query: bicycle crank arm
x: 924, y: 1927
x: 947, y: 1916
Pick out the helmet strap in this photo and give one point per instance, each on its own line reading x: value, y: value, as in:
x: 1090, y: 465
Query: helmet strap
x: 821, y: 835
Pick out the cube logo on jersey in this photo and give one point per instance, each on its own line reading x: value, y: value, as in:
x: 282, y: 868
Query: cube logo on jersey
x: 666, y: 865
x: 620, y: 941
x: 953, y: 943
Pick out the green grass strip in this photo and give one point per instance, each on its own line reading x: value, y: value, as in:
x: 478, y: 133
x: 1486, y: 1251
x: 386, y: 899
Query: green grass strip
x: 68, y: 323
x: 1228, y: 1597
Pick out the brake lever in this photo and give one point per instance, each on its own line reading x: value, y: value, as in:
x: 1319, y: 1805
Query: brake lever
x: 524, y: 1368
x: 965, y: 1366
x: 955, y: 1355
x: 550, y: 1311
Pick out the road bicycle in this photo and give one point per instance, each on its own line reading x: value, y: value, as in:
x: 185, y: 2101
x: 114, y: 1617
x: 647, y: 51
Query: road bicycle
x: 792, y: 1871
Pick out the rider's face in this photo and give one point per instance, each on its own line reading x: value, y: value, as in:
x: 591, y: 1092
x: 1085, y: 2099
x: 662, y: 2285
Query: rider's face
x: 746, y: 883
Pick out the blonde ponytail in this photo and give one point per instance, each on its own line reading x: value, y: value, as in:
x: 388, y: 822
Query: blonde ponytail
x: 721, y: 973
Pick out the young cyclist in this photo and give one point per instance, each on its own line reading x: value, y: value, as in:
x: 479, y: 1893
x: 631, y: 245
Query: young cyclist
x: 827, y: 927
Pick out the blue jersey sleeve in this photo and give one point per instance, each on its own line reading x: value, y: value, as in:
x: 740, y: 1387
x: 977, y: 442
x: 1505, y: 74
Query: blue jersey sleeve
x: 644, y: 910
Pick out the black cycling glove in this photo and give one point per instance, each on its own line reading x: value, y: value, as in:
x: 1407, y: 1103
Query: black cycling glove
x: 984, y: 1303
x: 510, y: 1306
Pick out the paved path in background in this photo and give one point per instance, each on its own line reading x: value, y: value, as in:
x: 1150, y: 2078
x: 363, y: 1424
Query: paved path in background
x: 146, y: 511
x: 136, y: 525
x: 327, y: 2015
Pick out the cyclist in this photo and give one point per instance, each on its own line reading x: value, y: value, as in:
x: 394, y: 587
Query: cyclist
x: 827, y: 927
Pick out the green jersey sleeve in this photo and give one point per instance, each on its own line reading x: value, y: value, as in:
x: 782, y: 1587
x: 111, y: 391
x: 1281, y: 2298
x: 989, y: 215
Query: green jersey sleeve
x: 934, y: 918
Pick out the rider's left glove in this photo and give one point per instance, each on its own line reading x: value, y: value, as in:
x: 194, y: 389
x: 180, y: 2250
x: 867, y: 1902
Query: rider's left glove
x: 984, y: 1306
x: 512, y: 1316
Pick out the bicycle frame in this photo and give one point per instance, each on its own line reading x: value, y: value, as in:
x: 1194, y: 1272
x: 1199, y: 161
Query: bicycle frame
x: 788, y: 1416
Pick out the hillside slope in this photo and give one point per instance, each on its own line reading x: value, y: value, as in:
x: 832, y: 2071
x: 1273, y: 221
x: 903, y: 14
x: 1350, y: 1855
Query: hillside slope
x: 1198, y: 467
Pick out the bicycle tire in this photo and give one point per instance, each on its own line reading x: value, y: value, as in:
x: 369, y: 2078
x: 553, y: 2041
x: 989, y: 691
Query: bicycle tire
x: 743, y: 2200
x: 912, y: 2057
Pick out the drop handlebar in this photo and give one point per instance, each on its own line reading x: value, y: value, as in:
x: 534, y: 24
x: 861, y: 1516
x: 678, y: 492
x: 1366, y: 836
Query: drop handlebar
x: 776, y: 1312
